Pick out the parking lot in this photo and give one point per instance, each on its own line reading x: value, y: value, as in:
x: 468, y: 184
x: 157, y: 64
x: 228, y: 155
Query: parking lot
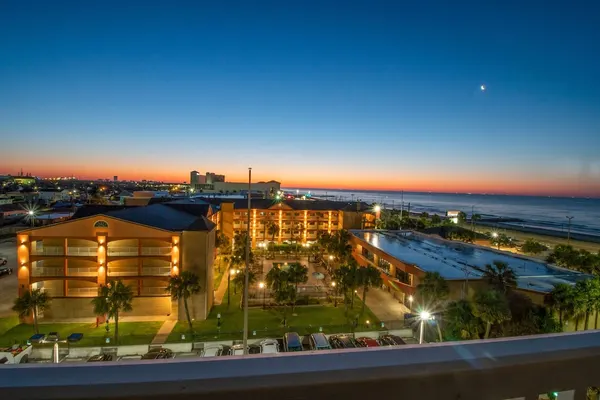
x: 8, y: 283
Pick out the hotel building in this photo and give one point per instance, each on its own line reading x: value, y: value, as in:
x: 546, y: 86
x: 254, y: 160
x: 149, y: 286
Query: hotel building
x: 143, y: 246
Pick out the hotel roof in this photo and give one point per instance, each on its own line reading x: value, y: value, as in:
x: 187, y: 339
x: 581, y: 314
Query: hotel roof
x: 454, y: 260
x: 300, y: 205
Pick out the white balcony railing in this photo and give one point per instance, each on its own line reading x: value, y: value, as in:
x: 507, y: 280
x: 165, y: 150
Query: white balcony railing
x: 153, y: 291
x: 156, y: 271
x: 123, y: 272
x: 156, y: 251
x: 47, y: 271
x: 82, y: 251
x: 83, y: 292
x: 122, y: 251
x: 87, y: 271
x: 48, y: 251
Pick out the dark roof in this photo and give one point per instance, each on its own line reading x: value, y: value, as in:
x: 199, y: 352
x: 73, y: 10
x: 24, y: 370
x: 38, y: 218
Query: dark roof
x: 314, y: 205
x: 163, y: 217
x: 199, y: 209
x: 89, y: 210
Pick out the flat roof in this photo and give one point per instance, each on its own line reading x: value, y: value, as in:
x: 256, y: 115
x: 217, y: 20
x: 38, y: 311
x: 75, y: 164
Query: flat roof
x: 454, y: 260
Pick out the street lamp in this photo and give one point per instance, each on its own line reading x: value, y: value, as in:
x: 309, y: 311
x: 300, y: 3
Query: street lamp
x: 423, y: 316
x: 569, y: 232
x: 231, y: 272
x: 31, y: 217
x: 263, y: 287
x: 333, y: 284
x: 410, y: 300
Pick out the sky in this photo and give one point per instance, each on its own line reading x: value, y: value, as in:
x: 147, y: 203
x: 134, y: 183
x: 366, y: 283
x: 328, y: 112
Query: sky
x: 322, y: 94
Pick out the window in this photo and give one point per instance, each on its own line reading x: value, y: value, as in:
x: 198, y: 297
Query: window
x: 384, y: 265
x: 403, y: 276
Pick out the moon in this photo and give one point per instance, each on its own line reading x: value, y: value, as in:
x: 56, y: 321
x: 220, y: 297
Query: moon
x: 483, y: 88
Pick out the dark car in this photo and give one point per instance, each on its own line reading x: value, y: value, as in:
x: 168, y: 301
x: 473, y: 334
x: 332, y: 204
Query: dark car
x: 158, y: 354
x: 292, y: 342
x: 367, y: 342
x: 391, y: 340
x: 101, y: 358
x: 6, y: 271
x: 316, y: 341
x: 342, y: 342
x: 3, y: 261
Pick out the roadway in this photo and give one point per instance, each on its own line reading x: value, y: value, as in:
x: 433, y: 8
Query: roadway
x: 8, y: 283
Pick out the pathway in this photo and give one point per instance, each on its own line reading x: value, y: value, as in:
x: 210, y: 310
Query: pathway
x: 220, y: 292
x: 384, y: 305
x: 164, y: 332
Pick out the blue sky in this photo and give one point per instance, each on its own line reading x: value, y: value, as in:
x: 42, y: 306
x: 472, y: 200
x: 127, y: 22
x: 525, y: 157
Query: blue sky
x: 314, y: 93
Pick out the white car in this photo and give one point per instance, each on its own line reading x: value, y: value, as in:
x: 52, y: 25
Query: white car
x: 213, y: 351
x: 3, y: 261
x: 269, y: 346
x: 237, y: 350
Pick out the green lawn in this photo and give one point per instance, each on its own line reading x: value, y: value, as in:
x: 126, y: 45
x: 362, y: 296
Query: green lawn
x: 129, y: 333
x: 7, y: 323
x: 218, y: 276
x: 267, y: 323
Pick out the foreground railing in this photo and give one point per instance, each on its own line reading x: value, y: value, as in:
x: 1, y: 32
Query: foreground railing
x: 516, y: 368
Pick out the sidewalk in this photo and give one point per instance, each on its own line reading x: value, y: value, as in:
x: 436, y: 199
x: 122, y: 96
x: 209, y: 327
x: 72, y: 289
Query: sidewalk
x: 164, y: 332
x: 92, y: 320
x: 220, y: 292
x: 384, y: 305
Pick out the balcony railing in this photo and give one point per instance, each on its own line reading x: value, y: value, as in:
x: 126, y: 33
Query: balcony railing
x: 133, y: 271
x: 83, y: 292
x: 82, y: 251
x: 156, y: 271
x: 47, y: 271
x: 156, y: 251
x: 154, y: 291
x: 48, y: 251
x: 122, y: 251
x: 86, y: 271
x: 513, y: 368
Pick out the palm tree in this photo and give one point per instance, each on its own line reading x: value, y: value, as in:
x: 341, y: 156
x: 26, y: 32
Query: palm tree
x: 369, y: 277
x: 460, y: 321
x: 297, y: 273
x: 500, y: 275
x: 272, y: 229
x: 240, y: 281
x: 561, y: 299
x: 283, y: 292
x: 491, y: 307
x: 596, y: 299
x: 113, y: 298
x: 183, y: 286
x: 586, y: 292
x: 433, y: 291
x: 31, y: 303
x: 348, y: 279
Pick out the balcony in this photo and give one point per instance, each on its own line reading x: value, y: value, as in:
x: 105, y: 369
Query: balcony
x: 127, y: 271
x: 514, y: 368
x: 87, y: 271
x: 48, y: 251
x: 82, y: 251
x: 156, y: 271
x: 156, y: 251
x: 47, y: 271
x: 82, y: 292
x: 154, y: 291
x: 122, y: 251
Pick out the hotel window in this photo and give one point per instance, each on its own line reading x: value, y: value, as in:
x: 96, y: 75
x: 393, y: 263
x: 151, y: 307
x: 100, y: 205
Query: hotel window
x: 384, y: 265
x: 403, y: 276
x: 237, y: 213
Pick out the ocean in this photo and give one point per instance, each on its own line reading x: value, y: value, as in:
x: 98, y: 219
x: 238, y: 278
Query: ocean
x: 544, y: 213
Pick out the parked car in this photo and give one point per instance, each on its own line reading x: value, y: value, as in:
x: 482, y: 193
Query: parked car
x: 391, y: 340
x: 291, y: 342
x: 6, y: 271
x: 237, y: 350
x: 269, y: 346
x: 3, y: 261
x: 214, y: 350
x: 15, y: 354
x: 102, y: 358
x: 52, y: 337
x: 158, y: 353
x: 367, y: 342
x: 316, y: 341
x: 342, y: 342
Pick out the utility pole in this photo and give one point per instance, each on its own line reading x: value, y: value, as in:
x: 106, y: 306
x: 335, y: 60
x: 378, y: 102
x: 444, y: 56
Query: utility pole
x: 569, y: 232
x: 472, y: 213
x: 247, y: 264
x: 401, y: 208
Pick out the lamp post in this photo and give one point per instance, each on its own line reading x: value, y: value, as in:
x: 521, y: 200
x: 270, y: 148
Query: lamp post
x: 423, y: 316
x: 31, y: 217
x: 410, y: 300
x: 333, y: 284
x: 569, y: 231
x: 264, y: 288
x: 231, y: 272
x: 245, y: 337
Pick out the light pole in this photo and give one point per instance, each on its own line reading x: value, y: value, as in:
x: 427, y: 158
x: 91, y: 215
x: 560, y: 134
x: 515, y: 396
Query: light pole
x: 410, y: 300
x: 333, y: 284
x: 31, y: 217
x: 472, y: 219
x: 245, y: 343
x: 231, y: 272
x: 423, y: 316
x: 495, y: 236
x: 569, y: 231
x: 263, y: 287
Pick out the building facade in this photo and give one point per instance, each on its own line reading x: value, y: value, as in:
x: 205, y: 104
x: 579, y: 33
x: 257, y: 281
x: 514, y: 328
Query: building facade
x: 143, y: 246
x: 211, y: 178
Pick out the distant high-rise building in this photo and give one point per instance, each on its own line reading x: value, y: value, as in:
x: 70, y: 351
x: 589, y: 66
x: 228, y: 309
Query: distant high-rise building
x: 194, y: 178
x: 211, y: 178
x: 115, y: 178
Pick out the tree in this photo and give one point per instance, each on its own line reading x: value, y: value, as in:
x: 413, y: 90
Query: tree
x: 586, y: 294
x: 340, y: 245
x: 278, y: 281
x: 222, y: 243
x: 369, y: 277
x: 31, y: 303
x: 532, y: 246
x: 424, y: 215
x: 491, y: 307
x: 240, y: 281
x: 561, y: 300
x: 436, y: 219
x: 183, y: 286
x: 113, y: 298
x: 564, y: 255
x: 500, y: 275
x: 460, y: 322
x: 297, y: 273
x: 272, y: 229
x: 462, y: 217
x: 348, y: 279
x: 433, y: 292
